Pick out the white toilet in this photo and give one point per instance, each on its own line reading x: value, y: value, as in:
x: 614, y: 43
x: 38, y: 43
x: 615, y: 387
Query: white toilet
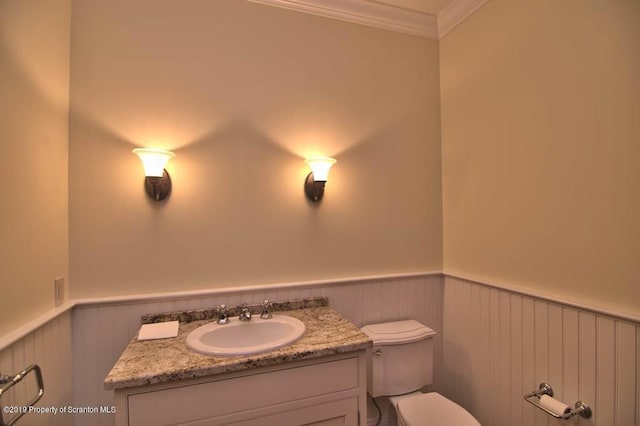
x: 400, y: 363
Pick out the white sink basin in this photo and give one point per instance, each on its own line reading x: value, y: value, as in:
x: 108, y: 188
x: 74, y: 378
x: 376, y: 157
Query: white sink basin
x: 245, y: 337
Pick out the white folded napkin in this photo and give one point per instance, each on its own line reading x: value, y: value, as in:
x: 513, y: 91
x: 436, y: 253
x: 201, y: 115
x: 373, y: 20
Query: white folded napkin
x: 160, y: 330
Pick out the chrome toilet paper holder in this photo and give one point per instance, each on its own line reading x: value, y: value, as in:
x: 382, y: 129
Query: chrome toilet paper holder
x: 580, y: 408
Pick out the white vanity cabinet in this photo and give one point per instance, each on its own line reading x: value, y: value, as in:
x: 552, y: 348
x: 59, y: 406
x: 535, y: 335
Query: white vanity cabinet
x: 323, y: 391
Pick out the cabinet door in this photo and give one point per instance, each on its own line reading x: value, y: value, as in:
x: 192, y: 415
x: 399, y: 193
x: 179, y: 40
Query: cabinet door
x: 337, y: 413
x: 229, y: 397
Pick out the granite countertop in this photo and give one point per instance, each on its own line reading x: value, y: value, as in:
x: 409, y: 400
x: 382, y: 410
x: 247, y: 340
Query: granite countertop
x: 166, y: 360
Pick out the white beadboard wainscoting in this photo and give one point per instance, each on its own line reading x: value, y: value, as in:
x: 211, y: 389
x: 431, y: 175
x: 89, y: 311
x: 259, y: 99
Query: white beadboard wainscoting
x: 49, y: 346
x: 493, y: 346
x: 499, y: 345
x: 101, y: 331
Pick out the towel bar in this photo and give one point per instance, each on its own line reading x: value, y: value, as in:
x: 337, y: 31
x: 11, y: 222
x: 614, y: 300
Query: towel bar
x: 8, y: 381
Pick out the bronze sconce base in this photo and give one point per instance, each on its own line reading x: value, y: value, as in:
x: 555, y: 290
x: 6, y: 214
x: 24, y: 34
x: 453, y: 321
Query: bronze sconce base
x: 314, y: 190
x: 158, y: 188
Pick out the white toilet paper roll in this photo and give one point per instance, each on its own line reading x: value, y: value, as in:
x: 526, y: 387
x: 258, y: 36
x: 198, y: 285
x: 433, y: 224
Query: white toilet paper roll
x: 557, y: 407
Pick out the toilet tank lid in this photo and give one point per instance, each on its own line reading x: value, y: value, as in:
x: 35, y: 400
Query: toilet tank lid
x: 397, y: 332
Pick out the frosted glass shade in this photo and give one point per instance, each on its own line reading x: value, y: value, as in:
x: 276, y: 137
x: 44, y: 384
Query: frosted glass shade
x: 153, y: 160
x: 320, y: 167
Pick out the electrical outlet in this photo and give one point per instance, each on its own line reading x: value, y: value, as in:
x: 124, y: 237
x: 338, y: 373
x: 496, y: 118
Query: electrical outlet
x: 58, y: 290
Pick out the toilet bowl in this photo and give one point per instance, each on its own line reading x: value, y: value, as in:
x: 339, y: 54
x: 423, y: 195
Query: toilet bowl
x: 399, y: 364
x: 432, y: 409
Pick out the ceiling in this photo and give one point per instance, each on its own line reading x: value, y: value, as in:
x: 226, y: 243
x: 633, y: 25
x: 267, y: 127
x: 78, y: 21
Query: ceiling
x: 425, y: 18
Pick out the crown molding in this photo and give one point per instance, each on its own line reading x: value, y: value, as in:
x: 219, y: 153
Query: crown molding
x: 385, y: 15
x: 455, y: 13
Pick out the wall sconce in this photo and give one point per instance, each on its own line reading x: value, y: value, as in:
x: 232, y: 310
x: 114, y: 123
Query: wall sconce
x: 314, y: 184
x: 157, y: 182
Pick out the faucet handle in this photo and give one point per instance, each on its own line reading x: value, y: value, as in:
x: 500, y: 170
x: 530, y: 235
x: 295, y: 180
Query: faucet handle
x: 245, y: 313
x: 223, y: 314
x: 266, y: 309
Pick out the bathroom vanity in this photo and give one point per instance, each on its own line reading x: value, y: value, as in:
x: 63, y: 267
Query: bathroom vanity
x: 318, y: 380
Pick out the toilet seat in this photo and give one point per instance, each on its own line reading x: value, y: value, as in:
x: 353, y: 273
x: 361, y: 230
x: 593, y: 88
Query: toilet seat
x: 431, y: 409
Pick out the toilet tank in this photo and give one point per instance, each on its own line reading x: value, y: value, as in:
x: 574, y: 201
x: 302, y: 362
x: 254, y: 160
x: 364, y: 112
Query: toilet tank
x: 401, y: 359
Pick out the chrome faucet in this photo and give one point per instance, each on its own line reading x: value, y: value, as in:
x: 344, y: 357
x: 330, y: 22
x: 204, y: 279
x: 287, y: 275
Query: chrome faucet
x: 245, y: 313
x: 266, y: 309
x: 223, y: 314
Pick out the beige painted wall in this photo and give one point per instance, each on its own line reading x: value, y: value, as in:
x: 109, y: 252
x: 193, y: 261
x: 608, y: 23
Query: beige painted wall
x: 34, y: 95
x: 242, y: 92
x: 541, y: 141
